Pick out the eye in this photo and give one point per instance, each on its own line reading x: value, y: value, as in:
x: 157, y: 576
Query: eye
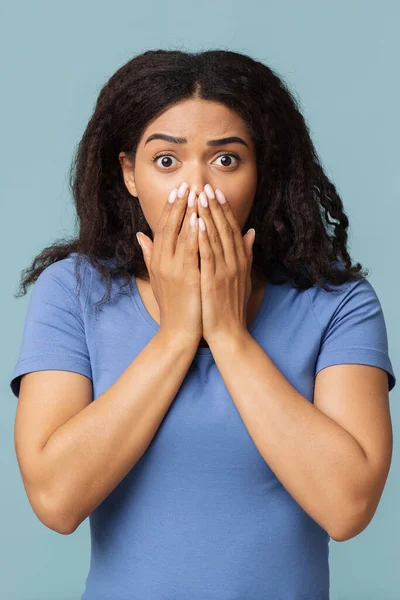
x: 163, y: 155
x: 230, y: 154
x: 166, y: 157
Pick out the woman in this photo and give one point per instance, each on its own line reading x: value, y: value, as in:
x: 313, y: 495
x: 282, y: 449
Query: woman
x: 228, y: 415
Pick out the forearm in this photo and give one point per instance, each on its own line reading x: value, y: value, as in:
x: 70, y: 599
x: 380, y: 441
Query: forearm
x: 89, y: 455
x: 318, y: 462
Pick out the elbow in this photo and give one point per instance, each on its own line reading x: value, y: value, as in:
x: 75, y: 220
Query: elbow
x: 64, y: 527
x: 59, y: 527
x: 351, y: 522
x: 61, y: 522
x: 54, y: 516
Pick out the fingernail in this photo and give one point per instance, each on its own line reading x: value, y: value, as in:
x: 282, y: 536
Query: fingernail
x: 138, y: 239
x: 192, y: 220
x: 172, y: 195
x: 220, y: 196
x: 253, y: 233
x: 209, y: 191
x: 191, y: 198
x: 182, y: 189
x: 203, y: 199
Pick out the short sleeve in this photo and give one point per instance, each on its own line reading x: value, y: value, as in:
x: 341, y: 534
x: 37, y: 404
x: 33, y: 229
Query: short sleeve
x: 356, y: 332
x: 54, y: 334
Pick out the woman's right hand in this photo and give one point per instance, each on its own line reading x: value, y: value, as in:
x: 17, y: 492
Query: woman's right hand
x: 173, y: 265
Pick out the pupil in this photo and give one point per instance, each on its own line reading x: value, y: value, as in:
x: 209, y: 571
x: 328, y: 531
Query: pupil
x: 225, y: 158
x: 165, y: 158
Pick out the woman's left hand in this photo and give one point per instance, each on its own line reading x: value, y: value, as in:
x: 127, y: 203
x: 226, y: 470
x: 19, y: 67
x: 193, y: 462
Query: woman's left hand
x: 226, y: 259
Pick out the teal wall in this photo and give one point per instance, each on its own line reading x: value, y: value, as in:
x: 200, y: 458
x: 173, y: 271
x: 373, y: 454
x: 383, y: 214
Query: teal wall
x: 340, y: 58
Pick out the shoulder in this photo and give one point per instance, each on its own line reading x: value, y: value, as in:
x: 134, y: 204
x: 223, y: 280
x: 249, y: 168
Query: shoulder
x: 353, y: 326
x: 344, y: 298
x: 359, y: 296
x: 67, y: 279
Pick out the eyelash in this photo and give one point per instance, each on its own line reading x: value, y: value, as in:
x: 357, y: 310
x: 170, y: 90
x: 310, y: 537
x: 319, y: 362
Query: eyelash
x: 238, y: 158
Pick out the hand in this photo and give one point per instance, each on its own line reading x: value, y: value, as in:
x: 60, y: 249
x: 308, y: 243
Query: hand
x: 225, y: 267
x: 172, y: 263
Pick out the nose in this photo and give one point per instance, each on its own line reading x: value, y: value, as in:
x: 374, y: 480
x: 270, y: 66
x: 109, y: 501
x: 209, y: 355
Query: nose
x: 198, y: 185
x: 197, y: 179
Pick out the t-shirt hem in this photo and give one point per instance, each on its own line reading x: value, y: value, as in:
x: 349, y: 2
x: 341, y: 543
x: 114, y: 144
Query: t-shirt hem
x: 355, y: 355
x: 49, y: 361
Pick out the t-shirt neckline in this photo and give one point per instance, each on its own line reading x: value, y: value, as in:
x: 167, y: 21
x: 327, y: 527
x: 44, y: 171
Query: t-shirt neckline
x: 201, y: 351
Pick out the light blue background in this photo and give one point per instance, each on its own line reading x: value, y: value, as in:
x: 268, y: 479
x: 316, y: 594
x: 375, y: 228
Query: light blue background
x: 341, y: 60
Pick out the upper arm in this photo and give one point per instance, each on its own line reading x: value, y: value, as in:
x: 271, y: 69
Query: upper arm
x: 356, y: 397
x: 353, y: 378
x: 52, y: 378
x: 47, y: 400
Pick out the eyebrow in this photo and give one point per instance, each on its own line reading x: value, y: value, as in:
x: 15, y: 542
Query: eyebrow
x: 180, y: 140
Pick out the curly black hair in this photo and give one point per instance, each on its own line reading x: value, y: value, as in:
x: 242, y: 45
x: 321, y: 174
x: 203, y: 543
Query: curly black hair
x: 295, y: 202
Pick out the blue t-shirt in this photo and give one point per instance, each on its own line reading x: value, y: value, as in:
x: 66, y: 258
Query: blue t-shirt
x: 201, y: 515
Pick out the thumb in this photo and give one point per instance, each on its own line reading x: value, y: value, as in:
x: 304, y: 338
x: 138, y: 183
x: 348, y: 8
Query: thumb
x: 146, y: 244
x: 249, y: 242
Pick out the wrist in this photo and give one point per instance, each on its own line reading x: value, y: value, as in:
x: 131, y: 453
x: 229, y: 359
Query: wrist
x: 235, y: 337
x: 174, y: 339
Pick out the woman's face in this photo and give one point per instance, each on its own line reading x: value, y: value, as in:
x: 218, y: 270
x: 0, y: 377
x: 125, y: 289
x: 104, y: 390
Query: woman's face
x: 190, y: 157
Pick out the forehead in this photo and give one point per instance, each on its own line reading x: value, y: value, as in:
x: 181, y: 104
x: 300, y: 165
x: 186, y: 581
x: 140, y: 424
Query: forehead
x: 198, y: 118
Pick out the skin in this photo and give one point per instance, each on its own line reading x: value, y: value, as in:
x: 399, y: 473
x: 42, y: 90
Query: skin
x: 198, y: 164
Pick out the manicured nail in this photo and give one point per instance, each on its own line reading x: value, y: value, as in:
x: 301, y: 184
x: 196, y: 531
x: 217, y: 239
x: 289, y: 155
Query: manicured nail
x: 209, y: 191
x: 182, y: 189
x: 220, y: 196
x: 192, y: 220
x: 203, y: 199
x: 191, y: 198
x: 172, y: 195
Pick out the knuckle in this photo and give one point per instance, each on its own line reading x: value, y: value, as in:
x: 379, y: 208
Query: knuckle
x: 181, y: 238
x: 214, y: 237
x: 232, y: 271
x: 227, y: 229
x: 207, y: 255
x: 168, y: 228
x: 190, y: 250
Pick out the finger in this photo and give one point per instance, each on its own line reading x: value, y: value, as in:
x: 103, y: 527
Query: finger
x: 191, y: 256
x: 207, y: 257
x: 248, y: 242
x: 212, y: 232
x: 219, y: 230
x: 185, y: 238
x: 168, y: 208
x: 224, y: 218
x: 170, y: 230
x: 145, y: 245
